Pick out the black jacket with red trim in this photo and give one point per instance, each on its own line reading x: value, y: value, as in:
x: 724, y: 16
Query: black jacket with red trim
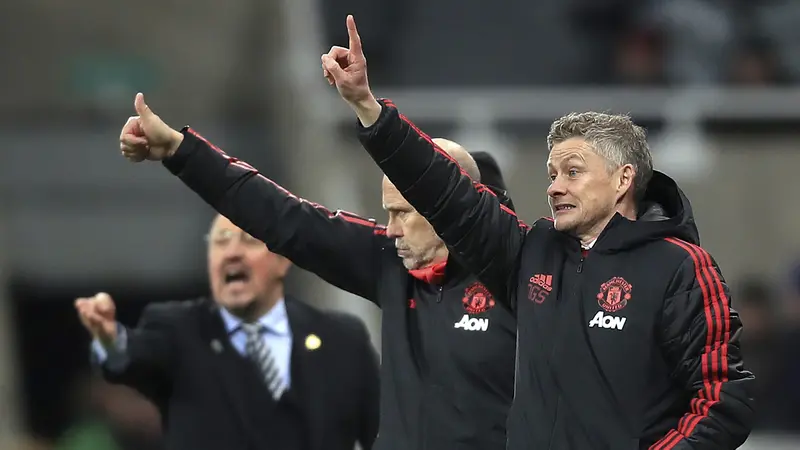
x: 447, y: 372
x: 631, y: 346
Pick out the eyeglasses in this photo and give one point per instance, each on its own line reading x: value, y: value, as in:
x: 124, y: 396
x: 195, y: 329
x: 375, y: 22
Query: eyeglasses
x: 224, y: 237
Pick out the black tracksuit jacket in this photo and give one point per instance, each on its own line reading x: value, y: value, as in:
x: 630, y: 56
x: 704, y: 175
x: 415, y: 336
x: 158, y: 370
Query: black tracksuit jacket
x: 632, y: 345
x: 447, y: 374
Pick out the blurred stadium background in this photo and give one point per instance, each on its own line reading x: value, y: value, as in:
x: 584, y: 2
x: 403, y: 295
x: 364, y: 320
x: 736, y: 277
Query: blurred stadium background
x: 715, y: 81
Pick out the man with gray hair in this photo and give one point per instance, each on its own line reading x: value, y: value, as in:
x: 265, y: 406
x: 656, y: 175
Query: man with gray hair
x: 626, y: 336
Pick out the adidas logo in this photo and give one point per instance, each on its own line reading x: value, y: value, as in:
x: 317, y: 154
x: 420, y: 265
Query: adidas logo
x: 539, y: 287
x: 545, y: 281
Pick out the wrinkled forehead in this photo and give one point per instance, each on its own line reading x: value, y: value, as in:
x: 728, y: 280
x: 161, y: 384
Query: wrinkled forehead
x: 572, y: 149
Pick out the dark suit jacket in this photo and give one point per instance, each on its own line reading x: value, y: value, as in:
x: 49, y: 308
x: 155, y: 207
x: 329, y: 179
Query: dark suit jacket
x: 180, y: 356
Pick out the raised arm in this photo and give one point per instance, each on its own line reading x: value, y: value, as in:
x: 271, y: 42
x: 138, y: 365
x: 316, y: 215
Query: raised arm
x: 341, y: 248
x: 144, y: 357
x: 483, y: 233
x: 478, y: 229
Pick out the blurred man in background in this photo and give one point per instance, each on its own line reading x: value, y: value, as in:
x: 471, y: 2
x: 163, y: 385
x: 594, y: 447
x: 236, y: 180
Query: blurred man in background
x: 248, y: 368
x: 447, y: 376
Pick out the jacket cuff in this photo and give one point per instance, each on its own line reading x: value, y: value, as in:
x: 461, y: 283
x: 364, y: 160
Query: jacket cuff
x: 178, y: 160
x: 384, y: 102
x: 375, y: 136
x: 116, y: 353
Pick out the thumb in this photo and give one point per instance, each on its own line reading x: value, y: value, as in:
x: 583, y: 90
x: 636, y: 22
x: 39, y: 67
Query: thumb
x: 333, y: 68
x: 142, y: 110
x: 105, y: 305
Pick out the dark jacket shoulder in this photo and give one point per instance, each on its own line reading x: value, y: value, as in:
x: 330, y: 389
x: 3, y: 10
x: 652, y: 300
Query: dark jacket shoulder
x: 166, y: 313
x: 176, y: 307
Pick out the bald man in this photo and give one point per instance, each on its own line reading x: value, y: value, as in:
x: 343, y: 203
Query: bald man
x: 460, y: 154
x: 447, y: 375
x: 248, y: 367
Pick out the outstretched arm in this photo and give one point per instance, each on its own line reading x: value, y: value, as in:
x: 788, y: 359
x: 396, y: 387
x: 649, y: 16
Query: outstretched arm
x: 484, y: 234
x: 341, y: 248
x: 143, y: 358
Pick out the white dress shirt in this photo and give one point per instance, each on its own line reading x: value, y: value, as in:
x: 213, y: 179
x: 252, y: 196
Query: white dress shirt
x: 277, y: 336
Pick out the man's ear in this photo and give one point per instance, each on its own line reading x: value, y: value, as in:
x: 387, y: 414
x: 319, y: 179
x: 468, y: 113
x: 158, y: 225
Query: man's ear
x: 624, y: 179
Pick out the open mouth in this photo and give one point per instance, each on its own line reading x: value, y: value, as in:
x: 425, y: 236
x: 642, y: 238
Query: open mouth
x: 564, y: 207
x: 236, y: 275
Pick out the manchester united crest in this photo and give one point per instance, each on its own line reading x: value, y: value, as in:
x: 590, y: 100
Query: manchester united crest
x: 614, y: 294
x: 477, y: 299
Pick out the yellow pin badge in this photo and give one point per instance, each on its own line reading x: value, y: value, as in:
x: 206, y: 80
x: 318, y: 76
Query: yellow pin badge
x: 313, y: 342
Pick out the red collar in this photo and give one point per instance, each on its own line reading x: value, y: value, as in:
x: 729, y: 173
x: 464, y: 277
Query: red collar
x: 433, y: 274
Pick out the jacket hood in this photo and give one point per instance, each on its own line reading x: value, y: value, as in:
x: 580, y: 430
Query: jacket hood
x: 491, y: 176
x: 664, y: 212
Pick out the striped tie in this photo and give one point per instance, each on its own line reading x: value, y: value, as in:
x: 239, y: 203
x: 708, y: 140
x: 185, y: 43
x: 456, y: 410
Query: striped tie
x: 258, y: 351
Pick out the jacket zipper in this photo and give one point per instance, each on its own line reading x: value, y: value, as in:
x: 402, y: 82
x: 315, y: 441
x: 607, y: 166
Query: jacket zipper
x: 575, y: 293
x: 424, y: 427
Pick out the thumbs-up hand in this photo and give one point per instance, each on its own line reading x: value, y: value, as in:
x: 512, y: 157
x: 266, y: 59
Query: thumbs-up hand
x: 346, y: 68
x: 98, y: 316
x: 146, y: 136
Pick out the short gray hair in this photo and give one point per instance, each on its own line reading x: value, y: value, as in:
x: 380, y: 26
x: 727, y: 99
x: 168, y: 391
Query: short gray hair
x: 614, y: 137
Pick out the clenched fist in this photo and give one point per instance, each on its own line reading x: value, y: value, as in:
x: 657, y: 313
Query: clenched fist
x: 146, y: 136
x: 98, y: 315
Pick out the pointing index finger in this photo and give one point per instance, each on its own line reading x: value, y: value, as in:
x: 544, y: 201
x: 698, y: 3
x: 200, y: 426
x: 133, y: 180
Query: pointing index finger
x: 352, y: 33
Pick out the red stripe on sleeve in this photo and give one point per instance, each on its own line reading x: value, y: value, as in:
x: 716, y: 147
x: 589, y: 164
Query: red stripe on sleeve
x: 714, y: 361
x: 670, y: 439
x: 479, y: 187
x: 347, y: 216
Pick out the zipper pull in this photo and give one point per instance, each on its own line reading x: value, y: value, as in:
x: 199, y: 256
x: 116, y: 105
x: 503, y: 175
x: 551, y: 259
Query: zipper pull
x: 584, y: 253
x: 439, y: 297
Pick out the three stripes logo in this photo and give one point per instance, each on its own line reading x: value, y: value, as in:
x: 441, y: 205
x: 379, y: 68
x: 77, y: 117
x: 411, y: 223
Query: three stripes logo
x: 539, y: 287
